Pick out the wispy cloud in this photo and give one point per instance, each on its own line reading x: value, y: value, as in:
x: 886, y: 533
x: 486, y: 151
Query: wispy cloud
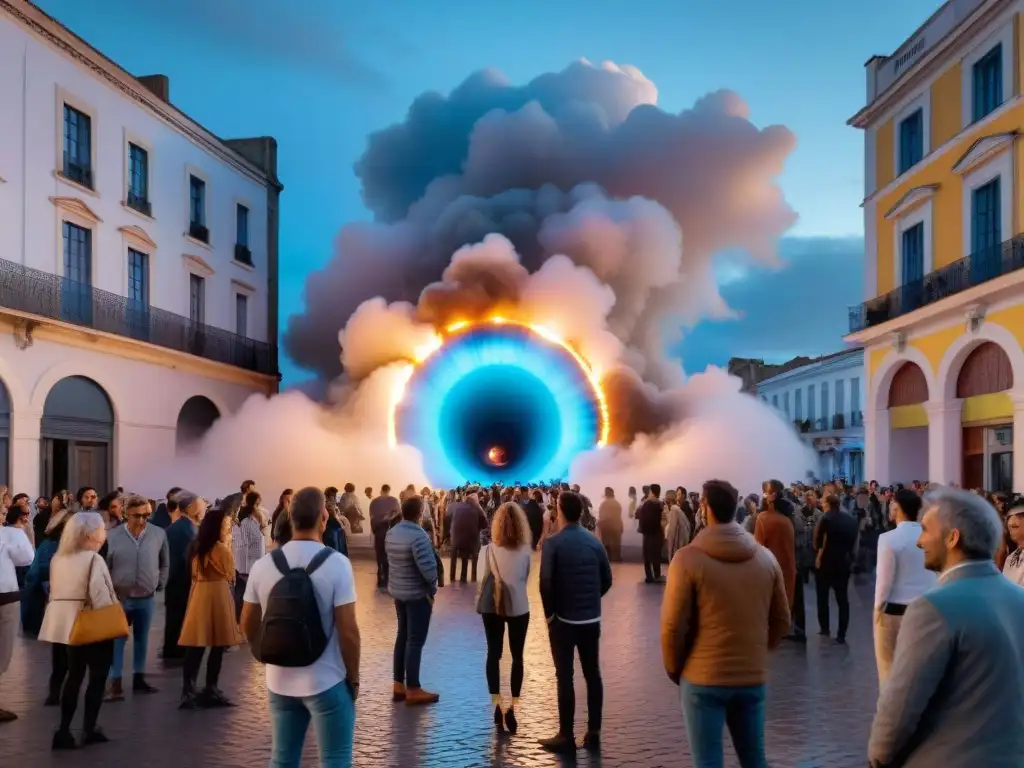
x: 312, y: 35
x: 800, y: 309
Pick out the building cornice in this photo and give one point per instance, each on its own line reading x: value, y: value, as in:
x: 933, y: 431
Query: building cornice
x: 914, y: 198
x: 983, y: 150
x: 927, y: 64
x: 853, y: 359
x: 60, y: 37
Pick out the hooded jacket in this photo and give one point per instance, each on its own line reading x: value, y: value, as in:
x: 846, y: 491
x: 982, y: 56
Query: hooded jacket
x: 725, y: 607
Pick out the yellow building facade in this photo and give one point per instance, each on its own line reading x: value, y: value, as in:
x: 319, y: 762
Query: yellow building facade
x: 942, y: 324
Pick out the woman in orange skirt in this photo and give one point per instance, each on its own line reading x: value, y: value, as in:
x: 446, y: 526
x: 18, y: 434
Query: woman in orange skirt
x: 210, y: 617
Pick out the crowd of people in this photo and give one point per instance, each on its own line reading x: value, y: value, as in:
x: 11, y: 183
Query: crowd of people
x: 83, y: 573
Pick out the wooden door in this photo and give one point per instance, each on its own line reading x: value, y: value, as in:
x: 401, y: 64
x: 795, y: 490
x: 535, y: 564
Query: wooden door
x: 90, y: 466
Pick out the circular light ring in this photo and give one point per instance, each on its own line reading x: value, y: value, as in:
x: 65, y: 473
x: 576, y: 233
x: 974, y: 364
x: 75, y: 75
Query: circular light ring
x: 541, y: 378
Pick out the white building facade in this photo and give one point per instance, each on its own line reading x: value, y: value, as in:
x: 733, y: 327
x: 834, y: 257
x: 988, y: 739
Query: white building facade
x: 824, y: 402
x: 138, y: 266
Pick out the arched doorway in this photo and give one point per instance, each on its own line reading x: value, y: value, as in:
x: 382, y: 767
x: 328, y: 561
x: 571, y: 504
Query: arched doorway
x: 195, y: 418
x: 908, y: 425
x: 77, y: 434
x: 987, y: 417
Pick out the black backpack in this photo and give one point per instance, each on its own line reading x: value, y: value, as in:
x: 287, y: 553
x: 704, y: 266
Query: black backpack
x: 292, y: 634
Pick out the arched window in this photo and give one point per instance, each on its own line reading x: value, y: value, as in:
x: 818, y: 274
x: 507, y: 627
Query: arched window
x: 909, y: 386
x: 196, y: 417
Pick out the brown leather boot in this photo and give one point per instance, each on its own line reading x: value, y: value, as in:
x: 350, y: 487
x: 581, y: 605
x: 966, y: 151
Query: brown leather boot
x: 398, y: 692
x: 115, y: 692
x: 417, y: 696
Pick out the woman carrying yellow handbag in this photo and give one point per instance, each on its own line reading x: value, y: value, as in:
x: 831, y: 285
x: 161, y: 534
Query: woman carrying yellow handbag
x: 83, y: 614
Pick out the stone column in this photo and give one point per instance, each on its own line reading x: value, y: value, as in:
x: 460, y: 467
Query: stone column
x: 945, y: 442
x: 25, y: 454
x: 876, y: 445
x: 1017, y: 396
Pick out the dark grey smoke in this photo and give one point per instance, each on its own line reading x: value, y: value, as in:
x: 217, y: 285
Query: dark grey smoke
x: 552, y: 166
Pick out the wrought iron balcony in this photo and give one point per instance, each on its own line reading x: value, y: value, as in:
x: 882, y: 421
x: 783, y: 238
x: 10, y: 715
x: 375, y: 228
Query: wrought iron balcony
x: 139, y: 203
x: 198, y: 232
x: 857, y: 419
x: 80, y: 173
x: 45, y: 295
x: 978, y: 268
x: 243, y: 254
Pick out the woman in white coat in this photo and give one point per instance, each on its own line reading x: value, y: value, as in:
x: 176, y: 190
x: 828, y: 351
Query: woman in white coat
x: 76, y: 571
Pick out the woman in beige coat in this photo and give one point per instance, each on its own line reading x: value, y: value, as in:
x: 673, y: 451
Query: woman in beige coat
x: 77, y: 570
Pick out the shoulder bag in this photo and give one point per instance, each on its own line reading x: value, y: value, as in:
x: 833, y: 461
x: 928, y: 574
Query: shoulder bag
x: 495, y: 595
x: 94, y: 625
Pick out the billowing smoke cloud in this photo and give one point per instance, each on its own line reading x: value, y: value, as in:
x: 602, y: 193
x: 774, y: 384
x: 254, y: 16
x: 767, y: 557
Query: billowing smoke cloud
x: 579, y: 163
x: 573, y: 202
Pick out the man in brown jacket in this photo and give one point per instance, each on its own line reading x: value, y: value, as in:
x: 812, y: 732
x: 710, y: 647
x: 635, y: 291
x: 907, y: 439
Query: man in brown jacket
x: 725, y: 607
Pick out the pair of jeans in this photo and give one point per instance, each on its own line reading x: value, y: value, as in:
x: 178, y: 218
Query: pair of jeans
x: 413, y: 624
x: 466, y: 557
x: 333, y: 714
x: 652, y: 555
x: 139, y: 612
x: 175, y: 604
x: 194, y: 660
x: 838, y: 582
x: 94, y: 658
x: 709, y: 709
x: 382, y: 560
x: 566, y: 641
x: 494, y: 631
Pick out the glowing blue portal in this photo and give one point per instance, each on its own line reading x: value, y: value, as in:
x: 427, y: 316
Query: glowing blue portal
x: 499, y: 404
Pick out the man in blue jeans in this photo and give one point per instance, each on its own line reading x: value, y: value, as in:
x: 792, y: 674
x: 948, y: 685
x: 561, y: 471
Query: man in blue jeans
x: 325, y: 691
x: 725, y: 607
x: 138, y: 558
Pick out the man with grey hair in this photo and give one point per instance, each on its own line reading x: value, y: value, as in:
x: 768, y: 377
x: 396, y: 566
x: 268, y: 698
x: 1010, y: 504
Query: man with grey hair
x: 954, y: 695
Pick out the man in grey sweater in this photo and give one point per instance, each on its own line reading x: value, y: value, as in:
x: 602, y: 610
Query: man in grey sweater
x: 138, y: 559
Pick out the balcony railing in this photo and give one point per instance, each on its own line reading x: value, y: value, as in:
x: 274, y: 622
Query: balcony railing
x: 139, y: 203
x: 198, y: 232
x: 243, y: 254
x: 978, y: 268
x: 77, y: 172
x: 34, y: 292
x: 836, y: 422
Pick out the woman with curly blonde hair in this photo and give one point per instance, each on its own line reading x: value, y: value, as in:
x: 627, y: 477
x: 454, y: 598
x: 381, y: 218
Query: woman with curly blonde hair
x: 507, y: 557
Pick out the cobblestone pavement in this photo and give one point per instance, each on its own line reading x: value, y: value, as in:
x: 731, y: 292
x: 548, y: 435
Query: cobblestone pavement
x: 821, y: 698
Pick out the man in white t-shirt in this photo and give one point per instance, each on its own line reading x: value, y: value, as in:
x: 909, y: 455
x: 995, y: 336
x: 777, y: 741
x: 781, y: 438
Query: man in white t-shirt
x: 326, y: 690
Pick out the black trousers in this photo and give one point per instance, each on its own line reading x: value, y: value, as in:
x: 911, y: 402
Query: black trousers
x: 566, y: 640
x: 95, y: 658
x: 799, y: 608
x: 175, y: 603
x: 241, y: 579
x: 494, y: 630
x: 194, y: 660
x: 652, y: 555
x: 838, y: 582
x: 59, y: 669
x: 466, y: 557
x: 382, y: 561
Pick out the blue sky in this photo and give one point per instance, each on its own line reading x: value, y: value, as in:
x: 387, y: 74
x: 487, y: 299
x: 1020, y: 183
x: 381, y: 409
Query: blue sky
x: 319, y: 75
